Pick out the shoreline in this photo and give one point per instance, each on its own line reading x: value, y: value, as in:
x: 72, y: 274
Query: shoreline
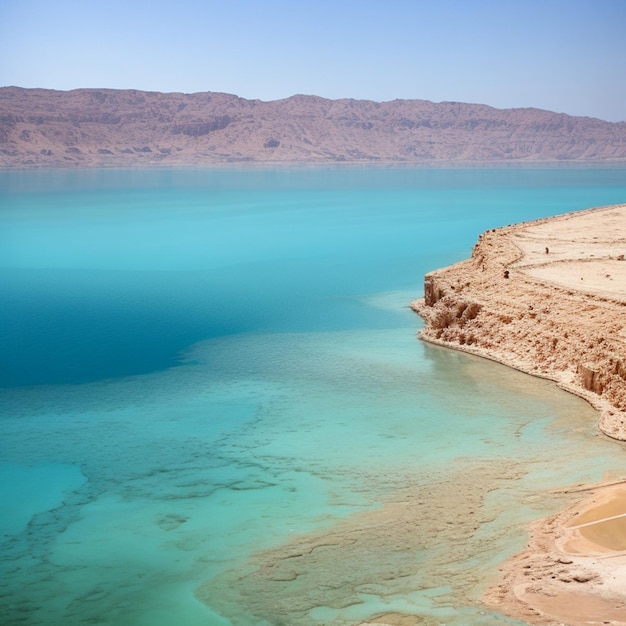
x: 471, y: 307
x: 548, y: 298
x: 320, y: 164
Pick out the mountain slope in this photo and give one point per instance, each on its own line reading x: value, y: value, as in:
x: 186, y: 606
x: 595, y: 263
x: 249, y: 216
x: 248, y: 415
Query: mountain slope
x: 99, y: 127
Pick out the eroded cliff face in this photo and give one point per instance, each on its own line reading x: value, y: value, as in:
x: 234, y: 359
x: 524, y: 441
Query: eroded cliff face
x: 492, y: 305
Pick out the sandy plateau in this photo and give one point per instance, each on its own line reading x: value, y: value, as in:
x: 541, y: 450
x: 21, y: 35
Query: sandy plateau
x: 549, y: 298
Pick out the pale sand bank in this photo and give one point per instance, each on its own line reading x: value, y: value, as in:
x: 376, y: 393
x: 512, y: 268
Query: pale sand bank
x: 549, y: 298
x: 573, y: 570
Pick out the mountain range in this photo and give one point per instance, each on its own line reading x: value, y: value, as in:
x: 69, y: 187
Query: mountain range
x: 107, y: 127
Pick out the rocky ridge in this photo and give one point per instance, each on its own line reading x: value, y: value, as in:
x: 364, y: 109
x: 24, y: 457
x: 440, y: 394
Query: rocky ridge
x: 104, y: 127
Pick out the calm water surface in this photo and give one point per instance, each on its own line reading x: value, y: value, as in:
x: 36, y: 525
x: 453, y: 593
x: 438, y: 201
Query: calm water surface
x: 200, y: 369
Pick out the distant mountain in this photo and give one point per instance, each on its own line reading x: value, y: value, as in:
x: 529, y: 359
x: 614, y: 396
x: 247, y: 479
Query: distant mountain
x: 105, y: 127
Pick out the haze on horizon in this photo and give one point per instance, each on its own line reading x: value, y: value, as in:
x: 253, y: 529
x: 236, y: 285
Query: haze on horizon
x: 566, y: 56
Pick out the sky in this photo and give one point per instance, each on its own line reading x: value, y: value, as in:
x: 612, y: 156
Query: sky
x: 567, y: 56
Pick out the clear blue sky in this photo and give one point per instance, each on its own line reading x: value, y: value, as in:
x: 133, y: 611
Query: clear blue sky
x: 563, y: 55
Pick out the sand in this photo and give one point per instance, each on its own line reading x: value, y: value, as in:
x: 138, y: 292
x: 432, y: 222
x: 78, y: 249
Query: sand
x: 573, y: 570
x: 549, y: 298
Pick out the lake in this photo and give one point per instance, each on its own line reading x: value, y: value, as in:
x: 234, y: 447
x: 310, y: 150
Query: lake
x: 215, y: 410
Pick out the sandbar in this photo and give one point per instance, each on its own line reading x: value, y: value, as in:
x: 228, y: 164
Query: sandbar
x: 549, y: 298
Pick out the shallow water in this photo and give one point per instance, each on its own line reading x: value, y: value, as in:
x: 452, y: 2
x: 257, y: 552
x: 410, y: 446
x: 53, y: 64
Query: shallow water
x: 207, y: 373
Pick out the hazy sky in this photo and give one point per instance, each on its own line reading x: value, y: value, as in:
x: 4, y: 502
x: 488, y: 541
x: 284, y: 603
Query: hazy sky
x: 563, y: 55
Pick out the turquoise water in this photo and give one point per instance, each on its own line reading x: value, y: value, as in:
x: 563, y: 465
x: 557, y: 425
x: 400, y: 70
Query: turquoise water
x: 202, y: 369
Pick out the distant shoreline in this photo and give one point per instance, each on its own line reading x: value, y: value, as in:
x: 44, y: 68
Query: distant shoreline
x: 322, y: 165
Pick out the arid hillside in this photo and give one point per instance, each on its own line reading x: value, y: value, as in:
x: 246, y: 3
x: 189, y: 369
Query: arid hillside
x: 102, y: 127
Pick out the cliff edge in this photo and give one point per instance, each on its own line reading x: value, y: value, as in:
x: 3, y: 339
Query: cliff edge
x: 549, y: 298
x: 546, y: 297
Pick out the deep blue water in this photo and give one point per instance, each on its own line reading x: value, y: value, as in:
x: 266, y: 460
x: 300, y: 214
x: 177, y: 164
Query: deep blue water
x: 197, y: 364
x: 111, y: 273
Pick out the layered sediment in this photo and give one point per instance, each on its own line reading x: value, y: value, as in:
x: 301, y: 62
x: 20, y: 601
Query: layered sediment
x: 549, y: 298
x: 546, y: 297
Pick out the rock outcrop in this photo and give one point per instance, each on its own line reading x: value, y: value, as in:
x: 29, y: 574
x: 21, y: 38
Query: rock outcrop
x: 549, y: 298
x: 106, y: 127
x: 546, y: 297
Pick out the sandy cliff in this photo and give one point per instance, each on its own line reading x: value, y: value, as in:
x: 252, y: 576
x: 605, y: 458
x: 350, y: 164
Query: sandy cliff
x: 106, y: 127
x: 549, y: 298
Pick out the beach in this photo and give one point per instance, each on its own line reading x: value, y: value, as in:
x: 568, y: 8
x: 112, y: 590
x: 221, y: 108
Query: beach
x: 549, y: 298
